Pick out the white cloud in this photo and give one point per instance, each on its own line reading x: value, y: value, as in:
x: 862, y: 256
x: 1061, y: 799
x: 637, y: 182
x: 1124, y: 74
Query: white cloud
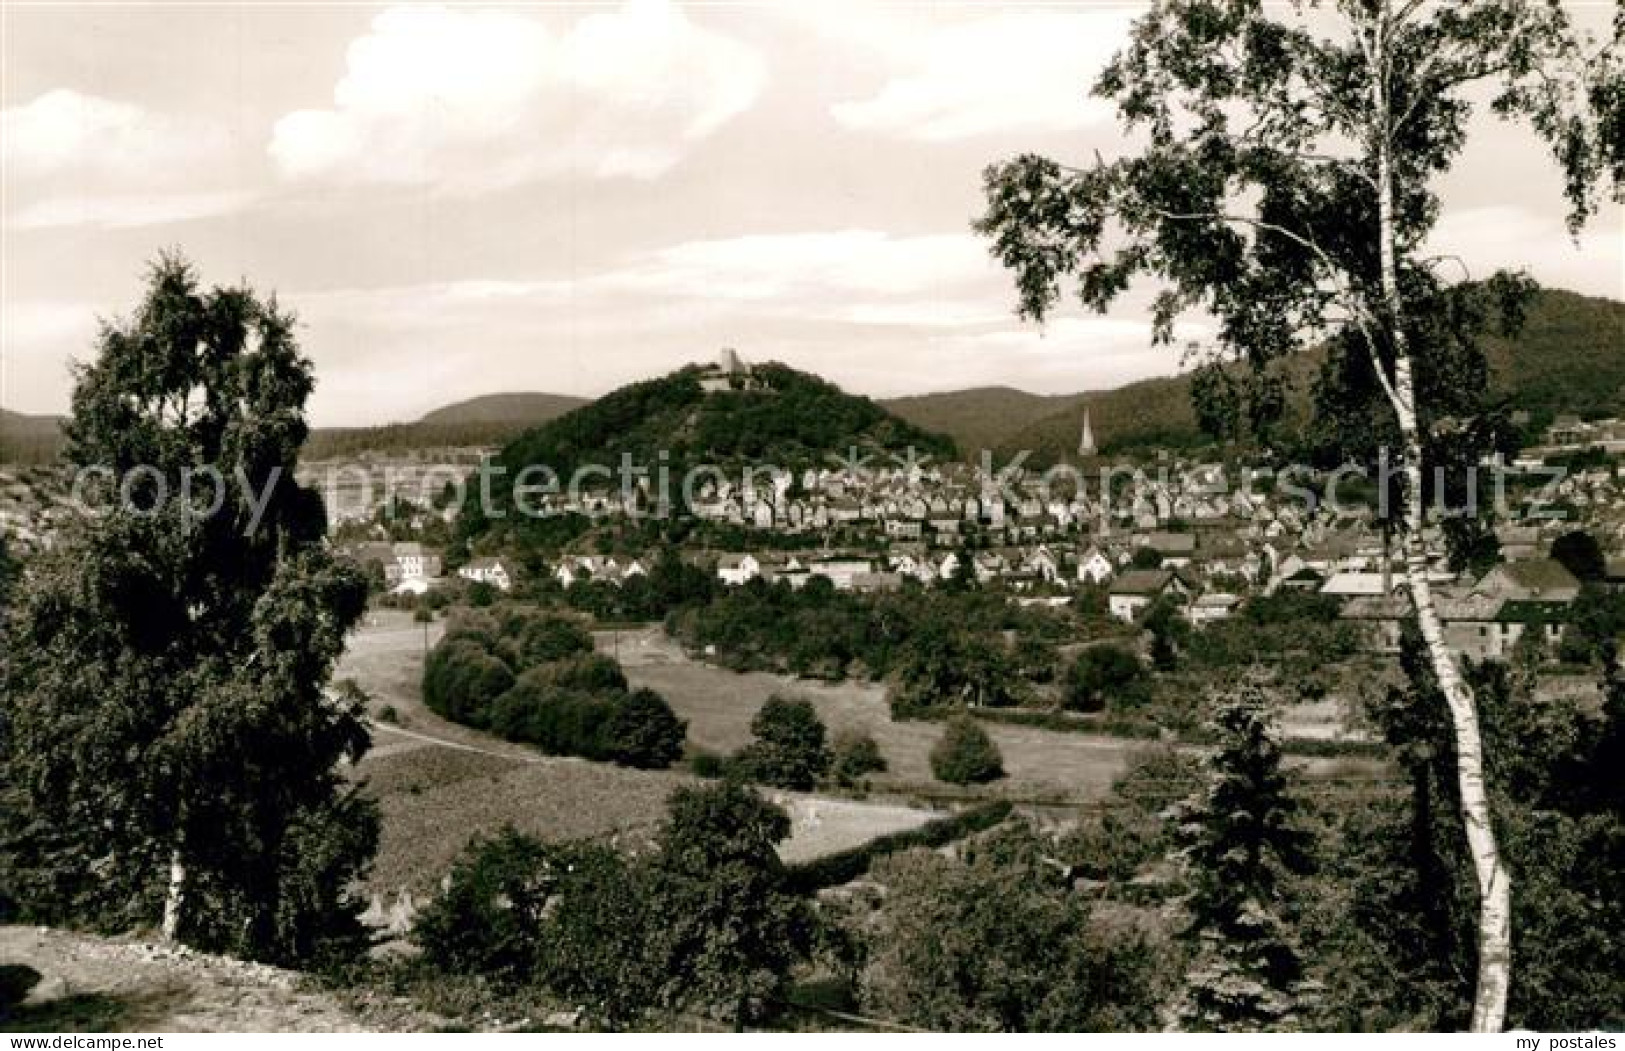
x: 841, y: 263
x: 1505, y: 237
x: 119, y: 211
x: 63, y: 133
x: 472, y: 99
x: 1010, y: 71
x: 73, y: 159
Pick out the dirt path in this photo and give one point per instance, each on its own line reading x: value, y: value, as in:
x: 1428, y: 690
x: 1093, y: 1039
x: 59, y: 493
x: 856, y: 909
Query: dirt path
x: 95, y: 984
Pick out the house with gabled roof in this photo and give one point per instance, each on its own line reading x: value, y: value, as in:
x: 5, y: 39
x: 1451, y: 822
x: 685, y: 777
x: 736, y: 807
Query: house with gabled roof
x: 1133, y: 591
x: 1094, y: 566
x: 1544, y: 579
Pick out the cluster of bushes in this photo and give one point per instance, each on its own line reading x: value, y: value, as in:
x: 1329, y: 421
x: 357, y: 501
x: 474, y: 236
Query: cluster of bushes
x: 1298, y: 631
x: 790, y: 749
x: 532, y: 676
x: 1107, y: 677
x: 705, y: 923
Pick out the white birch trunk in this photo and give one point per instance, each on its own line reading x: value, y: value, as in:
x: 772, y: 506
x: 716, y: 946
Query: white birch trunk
x: 1494, y: 886
x: 175, y: 897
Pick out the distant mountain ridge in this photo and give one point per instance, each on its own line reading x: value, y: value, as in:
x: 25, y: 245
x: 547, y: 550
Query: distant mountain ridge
x: 1569, y: 358
x: 981, y: 417
x: 29, y: 439
x: 526, y: 408
x: 489, y: 419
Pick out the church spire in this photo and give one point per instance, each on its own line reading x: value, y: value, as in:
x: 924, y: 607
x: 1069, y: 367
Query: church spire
x: 1086, y: 442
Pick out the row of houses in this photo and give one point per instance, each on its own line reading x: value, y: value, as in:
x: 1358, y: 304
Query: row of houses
x: 411, y: 568
x: 1481, y: 619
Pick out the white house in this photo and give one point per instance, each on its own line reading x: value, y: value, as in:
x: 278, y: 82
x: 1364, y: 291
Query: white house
x: 734, y: 570
x: 487, y: 570
x: 412, y: 562
x: 1094, y: 567
x: 1214, y: 606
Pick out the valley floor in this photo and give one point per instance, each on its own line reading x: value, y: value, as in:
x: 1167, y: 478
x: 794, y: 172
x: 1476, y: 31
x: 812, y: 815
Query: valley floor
x: 439, y: 783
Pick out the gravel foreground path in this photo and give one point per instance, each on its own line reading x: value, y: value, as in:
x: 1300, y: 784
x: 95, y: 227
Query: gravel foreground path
x: 96, y: 984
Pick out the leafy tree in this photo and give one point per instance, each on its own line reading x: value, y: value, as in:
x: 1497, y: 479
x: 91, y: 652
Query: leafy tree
x: 1581, y: 555
x: 168, y: 744
x: 487, y: 920
x: 1103, y: 675
x: 1407, y: 959
x: 1281, y: 178
x: 1238, y: 843
x: 1146, y: 558
x: 600, y: 942
x: 1167, y: 627
x: 789, y: 750
x: 965, y: 754
x: 644, y: 732
x: 854, y: 756
x: 998, y: 941
x: 462, y: 679
x: 731, y: 930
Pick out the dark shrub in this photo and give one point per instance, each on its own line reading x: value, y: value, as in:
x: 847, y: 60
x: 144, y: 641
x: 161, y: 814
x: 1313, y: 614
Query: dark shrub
x: 558, y: 721
x: 461, y: 680
x: 1103, y: 675
x: 708, y: 764
x: 856, y: 755
x: 488, y: 919
x: 583, y: 671
x: 644, y: 732
x: 965, y: 754
x: 16, y: 980
x: 789, y: 749
x: 530, y: 637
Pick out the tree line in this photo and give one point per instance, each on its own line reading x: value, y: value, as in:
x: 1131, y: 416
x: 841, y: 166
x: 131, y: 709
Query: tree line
x: 532, y: 676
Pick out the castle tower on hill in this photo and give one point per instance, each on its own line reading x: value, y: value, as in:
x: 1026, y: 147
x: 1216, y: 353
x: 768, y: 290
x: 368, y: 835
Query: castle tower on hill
x: 729, y: 372
x: 1086, y: 441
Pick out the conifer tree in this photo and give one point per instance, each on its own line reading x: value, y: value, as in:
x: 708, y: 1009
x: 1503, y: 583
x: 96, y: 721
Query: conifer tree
x: 1238, y: 844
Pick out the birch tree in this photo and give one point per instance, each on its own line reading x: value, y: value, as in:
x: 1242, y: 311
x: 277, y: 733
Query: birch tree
x: 1280, y: 174
x: 167, y: 749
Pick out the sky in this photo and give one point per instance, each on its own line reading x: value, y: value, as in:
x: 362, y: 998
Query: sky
x: 461, y: 200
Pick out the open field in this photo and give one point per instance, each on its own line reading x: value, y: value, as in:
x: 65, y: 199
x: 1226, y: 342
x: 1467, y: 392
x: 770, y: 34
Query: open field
x: 719, y: 704
x: 1065, y: 767
x: 438, y: 784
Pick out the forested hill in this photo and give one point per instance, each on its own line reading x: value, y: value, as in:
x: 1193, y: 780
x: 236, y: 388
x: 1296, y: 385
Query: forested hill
x: 784, y: 418
x: 523, y: 408
x: 29, y: 439
x: 982, y: 417
x: 1569, y: 358
x: 490, y: 419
